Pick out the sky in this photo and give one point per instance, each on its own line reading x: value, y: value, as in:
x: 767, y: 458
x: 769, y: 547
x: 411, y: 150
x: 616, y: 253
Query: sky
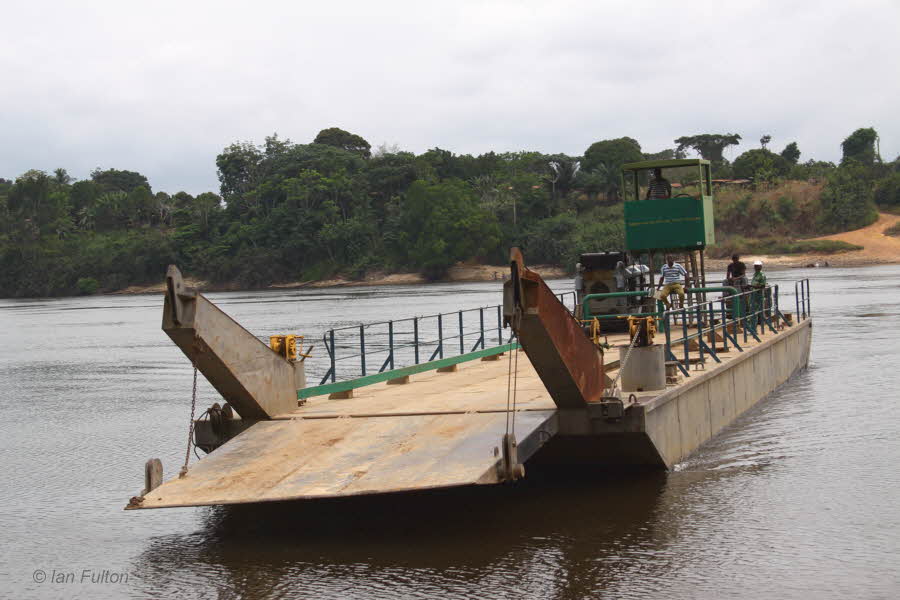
x: 162, y: 87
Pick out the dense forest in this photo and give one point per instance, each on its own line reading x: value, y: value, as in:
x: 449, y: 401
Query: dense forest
x: 287, y: 211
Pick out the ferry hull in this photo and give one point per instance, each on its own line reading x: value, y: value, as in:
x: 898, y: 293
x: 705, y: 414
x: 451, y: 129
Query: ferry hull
x: 663, y: 431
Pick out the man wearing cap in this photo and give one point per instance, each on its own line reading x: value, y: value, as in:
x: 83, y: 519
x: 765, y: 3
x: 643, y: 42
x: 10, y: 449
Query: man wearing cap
x: 758, y: 283
x: 759, y: 278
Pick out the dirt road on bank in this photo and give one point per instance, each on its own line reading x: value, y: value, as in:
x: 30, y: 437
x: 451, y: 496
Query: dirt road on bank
x: 878, y: 249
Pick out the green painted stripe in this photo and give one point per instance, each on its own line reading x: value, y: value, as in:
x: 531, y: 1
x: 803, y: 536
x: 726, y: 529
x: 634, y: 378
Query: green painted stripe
x: 343, y: 386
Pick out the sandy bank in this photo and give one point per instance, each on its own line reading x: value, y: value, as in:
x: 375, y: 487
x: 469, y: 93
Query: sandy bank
x: 878, y: 249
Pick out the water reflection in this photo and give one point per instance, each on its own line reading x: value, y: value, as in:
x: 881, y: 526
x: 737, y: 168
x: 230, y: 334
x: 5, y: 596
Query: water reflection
x: 541, y: 538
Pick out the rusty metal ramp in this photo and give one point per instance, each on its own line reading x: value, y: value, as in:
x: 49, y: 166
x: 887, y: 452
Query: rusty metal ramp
x: 307, y: 458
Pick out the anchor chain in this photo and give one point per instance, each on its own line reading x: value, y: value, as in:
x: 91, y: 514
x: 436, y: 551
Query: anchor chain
x: 190, y: 439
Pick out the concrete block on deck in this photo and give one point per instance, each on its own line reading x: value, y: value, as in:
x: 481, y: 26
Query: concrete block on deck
x: 398, y: 380
x: 449, y: 369
x: 345, y: 395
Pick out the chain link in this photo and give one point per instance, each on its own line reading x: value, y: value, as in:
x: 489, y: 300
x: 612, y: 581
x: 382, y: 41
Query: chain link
x: 190, y: 440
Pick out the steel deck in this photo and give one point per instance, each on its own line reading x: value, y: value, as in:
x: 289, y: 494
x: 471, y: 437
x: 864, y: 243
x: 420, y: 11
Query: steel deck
x: 439, y: 430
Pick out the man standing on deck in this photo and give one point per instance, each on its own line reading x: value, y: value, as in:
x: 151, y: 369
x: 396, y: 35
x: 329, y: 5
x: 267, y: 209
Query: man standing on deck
x: 672, y: 279
x: 737, y: 273
x: 760, y: 291
x: 659, y: 188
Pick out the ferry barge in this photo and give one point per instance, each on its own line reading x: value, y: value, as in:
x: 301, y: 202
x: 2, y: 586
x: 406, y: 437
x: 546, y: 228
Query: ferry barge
x: 606, y: 378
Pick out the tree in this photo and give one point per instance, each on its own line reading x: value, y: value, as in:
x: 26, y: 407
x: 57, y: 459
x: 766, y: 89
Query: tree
x: 140, y: 206
x: 667, y: 154
x: 791, y: 153
x: 604, y: 159
x: 760, y: 164
x: 764, y: 141
x: 562, y: 176
x: 444, y: 163
x: 113, y: 180
x: 334, y: 136
x: 61, y: 176
x: 887, y: 191
x: 612, y: 153
x: 710, y: 145
x: 847, y: 201
x: 238, y: 169
x: 861, y: 147
x: 204, y: 205
x: 439, y: 224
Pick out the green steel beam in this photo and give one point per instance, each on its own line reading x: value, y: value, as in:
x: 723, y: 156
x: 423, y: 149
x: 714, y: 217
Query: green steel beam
x: 352, y: 384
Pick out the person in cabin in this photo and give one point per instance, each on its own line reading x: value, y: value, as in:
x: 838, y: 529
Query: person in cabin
x: 672, y: 278
x: 736, y: 276
x: 659, y: 188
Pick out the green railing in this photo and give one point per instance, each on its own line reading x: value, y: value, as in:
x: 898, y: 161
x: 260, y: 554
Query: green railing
x: 730, y: 317
x: 372, y: 352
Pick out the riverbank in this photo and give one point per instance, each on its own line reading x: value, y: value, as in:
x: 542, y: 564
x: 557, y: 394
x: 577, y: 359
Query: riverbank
x: 877, y: 249
x: 457, y: 274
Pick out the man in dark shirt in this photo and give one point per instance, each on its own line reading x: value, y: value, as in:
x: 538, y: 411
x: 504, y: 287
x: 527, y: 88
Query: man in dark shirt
x: 659, y: 188
x: 737, y: 273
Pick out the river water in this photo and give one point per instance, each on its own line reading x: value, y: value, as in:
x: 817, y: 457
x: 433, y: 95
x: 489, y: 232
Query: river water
x: 800, y: 498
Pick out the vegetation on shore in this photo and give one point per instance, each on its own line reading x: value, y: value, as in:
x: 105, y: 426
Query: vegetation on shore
x: 893, y: 230
x: 288, y: 212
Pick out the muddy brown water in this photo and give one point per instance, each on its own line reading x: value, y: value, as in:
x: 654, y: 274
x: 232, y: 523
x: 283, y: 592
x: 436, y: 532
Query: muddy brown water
x: 800, y: 498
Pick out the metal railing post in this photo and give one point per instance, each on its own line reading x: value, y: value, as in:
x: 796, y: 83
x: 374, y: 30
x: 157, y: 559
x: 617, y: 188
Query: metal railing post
x: 441, y: 335
x: 808, y: 299
x: 462, y: 347
x: 797, y: 301
x: 499, y: 326
x: 362, y: 348
x: 391, y: 343
x: 333, y: 352
x: 743, y: 315
x: 700, y: 340
x: 724, y: 326
x: 668, y: 334
x: 481, y: 324
x: 684, y: 328
x: 805, y: 299
x: 416, y: 337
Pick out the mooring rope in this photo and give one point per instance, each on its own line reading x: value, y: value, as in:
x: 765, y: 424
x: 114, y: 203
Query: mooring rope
x: 515, y: 386
x: 508, y: 385
x: 512, y: 378
x: 612, y: 388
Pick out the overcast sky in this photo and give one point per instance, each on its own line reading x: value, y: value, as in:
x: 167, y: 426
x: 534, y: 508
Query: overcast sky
x: 161, y: 87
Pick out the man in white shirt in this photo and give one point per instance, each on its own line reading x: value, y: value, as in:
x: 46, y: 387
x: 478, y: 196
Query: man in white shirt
x: 672, y: 279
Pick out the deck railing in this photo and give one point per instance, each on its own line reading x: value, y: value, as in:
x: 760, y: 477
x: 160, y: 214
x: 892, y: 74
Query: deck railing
x: 370, y: 348
x: 730, y: 319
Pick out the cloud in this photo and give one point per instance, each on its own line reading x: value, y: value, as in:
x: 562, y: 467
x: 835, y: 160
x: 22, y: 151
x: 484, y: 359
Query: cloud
x: 161, y: 89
